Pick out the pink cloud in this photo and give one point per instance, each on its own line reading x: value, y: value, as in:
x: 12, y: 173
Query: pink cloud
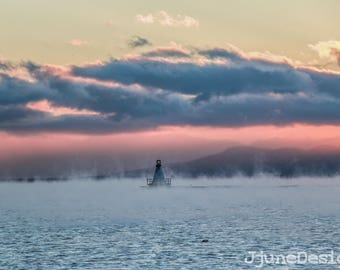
x: 48, y: 107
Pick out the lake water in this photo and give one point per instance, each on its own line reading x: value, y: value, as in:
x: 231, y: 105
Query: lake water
x: 200, y: 224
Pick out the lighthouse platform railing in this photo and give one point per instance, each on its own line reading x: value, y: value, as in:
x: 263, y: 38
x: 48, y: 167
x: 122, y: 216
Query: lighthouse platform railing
x: 166, y: 181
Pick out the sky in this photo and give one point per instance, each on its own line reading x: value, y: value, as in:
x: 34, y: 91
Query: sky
x: 108, y: 85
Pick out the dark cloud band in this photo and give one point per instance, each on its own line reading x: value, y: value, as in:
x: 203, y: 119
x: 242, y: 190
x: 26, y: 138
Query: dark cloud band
x: 204, y: 88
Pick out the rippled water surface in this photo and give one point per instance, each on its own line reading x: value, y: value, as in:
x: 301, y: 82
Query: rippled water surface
x: 120, y: 224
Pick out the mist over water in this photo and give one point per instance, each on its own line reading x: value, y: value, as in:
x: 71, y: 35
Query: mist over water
x: 122, y: 224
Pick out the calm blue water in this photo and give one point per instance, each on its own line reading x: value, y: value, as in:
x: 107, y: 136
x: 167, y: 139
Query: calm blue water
x: 120, y: 225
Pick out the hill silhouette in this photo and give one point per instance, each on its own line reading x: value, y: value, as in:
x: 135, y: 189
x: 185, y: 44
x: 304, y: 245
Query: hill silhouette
x: 249, y: 161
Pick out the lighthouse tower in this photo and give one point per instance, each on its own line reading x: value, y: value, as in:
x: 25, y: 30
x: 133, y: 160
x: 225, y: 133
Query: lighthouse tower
x: 158, y: 177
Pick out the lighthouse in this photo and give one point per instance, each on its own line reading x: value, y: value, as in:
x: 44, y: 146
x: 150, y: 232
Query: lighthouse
x: 158, y: 176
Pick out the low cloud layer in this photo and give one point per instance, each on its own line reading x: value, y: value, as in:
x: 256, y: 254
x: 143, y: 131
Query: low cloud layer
x: 211, y: 87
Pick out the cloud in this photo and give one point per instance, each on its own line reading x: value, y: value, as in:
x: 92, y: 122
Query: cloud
x: 147, y: 19
x: 137, y: 41
x: 17, y: 113
x: 168, y: 86
x: 78, y: 42
x: 46, y: 106
x: 221, y: 53
x: 235, y: 75
x: 328, y: 49
x: 5, y: 65
x: 336, y: 53
x: 168, y: 52
x: 165, y: 19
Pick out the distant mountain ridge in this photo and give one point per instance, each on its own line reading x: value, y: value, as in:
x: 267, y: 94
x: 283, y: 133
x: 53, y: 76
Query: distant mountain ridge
x: 249, y: 161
